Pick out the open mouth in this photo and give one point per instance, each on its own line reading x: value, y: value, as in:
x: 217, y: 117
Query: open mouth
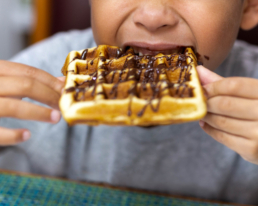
x: 143, y: 49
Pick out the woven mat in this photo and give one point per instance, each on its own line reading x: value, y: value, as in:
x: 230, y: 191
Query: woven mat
x: 30, y: 190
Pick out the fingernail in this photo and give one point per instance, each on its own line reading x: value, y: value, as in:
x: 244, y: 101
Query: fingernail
x: 55, y: 116
x: 25, y: 135
x: 201, y: 123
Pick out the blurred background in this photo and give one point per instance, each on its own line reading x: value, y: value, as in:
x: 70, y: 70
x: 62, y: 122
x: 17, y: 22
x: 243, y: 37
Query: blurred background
x: 25, y: 22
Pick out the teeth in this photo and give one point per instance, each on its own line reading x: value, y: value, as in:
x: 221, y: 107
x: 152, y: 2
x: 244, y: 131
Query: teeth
x: 140, y: 54
x: 135, y: 51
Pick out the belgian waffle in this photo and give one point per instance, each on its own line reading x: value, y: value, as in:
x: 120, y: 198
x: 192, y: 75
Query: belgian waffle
x: 106, y: 85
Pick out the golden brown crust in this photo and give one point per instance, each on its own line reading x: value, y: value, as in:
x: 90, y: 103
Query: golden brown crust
x: 106, y: 86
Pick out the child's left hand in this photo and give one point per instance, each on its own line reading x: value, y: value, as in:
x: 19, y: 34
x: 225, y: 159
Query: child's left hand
x: 232, y: 117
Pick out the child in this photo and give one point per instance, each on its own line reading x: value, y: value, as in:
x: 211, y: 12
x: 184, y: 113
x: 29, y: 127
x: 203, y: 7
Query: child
x: 178, y: 159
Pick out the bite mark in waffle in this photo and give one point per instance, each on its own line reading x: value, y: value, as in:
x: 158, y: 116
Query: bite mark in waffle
x: 105, y: 85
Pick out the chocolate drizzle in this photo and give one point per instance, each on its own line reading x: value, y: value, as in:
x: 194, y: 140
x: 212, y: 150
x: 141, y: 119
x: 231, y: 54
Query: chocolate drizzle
x: 206, y: 57
x: 84, y: 54
x: 146, y: 73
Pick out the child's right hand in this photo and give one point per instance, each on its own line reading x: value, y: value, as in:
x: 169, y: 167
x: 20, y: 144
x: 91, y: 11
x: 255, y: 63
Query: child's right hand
x: 18, y: 81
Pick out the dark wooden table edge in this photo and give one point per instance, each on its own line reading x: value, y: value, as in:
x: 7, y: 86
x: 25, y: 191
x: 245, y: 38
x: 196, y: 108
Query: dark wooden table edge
x: 120, y: 188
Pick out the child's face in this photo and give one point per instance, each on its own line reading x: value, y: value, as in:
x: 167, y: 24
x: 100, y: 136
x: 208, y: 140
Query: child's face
x: 211, y: 26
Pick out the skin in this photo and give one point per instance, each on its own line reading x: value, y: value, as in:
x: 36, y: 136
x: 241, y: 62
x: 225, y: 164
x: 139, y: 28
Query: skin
x: 210, y: 26
x: 18, y: 81
x: 198, y: 23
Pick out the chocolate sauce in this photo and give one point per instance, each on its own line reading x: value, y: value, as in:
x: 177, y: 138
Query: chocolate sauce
x: 114, y: 90
x: 180, y: 75
x: 113, y: 76
x: 77, y: 93
x: 156, y: 91
x: 206, y: 57
x: 132, y: 92
x: 70, y: 89
x: 140, y: 114
x: 129, y: 113
x: 145, y: 73
x: 84, y: 54
x: 199, y: 59
x: 118, y: 53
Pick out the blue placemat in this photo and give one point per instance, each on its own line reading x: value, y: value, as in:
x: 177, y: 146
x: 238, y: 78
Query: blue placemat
x: 30, y: 190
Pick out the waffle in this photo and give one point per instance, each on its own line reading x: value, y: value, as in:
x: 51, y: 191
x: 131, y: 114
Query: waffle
x: 106, y: 85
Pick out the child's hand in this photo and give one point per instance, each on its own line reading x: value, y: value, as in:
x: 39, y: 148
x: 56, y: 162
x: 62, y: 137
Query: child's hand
x: 232, y: 117
x: 18, y: 81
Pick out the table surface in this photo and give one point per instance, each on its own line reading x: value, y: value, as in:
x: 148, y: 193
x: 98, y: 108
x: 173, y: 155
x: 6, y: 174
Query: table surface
x: 23, y: 189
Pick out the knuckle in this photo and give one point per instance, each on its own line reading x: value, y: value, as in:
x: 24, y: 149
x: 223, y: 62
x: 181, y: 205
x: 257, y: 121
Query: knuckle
x: 233, y: 86
x: 220, y: 122
x: 13, y: 109
x: 225, y: 104
x: 27, y: 84
x: 31, y: 72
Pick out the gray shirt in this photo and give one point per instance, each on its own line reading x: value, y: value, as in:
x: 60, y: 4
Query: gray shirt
x: 178, y: 159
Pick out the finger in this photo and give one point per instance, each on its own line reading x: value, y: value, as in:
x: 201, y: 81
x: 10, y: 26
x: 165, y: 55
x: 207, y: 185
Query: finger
x: 14, y: 69
x: 233, y: 86
x: 13, y: 136
x: 236, y: 143
x: 27, y: 111
x: 28, y: 87
x: 62, y: 79
x: 233, y: 107
x: 206, y: 76
x: 18, y: 98
x: 247, y: 129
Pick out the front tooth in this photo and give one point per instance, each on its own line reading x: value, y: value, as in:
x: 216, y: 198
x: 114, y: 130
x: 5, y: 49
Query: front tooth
x: 140, y: 54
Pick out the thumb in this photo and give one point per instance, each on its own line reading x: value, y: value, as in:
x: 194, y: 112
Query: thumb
x: 206, y: 76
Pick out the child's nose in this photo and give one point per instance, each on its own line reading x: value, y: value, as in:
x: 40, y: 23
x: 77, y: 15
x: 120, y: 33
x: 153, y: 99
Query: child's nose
x: 153, y: 15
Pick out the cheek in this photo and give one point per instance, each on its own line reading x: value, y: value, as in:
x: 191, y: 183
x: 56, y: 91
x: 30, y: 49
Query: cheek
x: 98, y: 17
x: 213, y: 24
x: 106, y: 18
x: 215, y: 29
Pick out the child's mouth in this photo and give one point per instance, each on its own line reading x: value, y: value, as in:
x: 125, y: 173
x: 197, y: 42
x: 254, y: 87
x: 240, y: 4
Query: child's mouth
x: 145, y: 51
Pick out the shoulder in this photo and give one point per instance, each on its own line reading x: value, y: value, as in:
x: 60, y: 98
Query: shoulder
x: 244, y: 53
x: 242, y: 61
x: 50, y: 54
